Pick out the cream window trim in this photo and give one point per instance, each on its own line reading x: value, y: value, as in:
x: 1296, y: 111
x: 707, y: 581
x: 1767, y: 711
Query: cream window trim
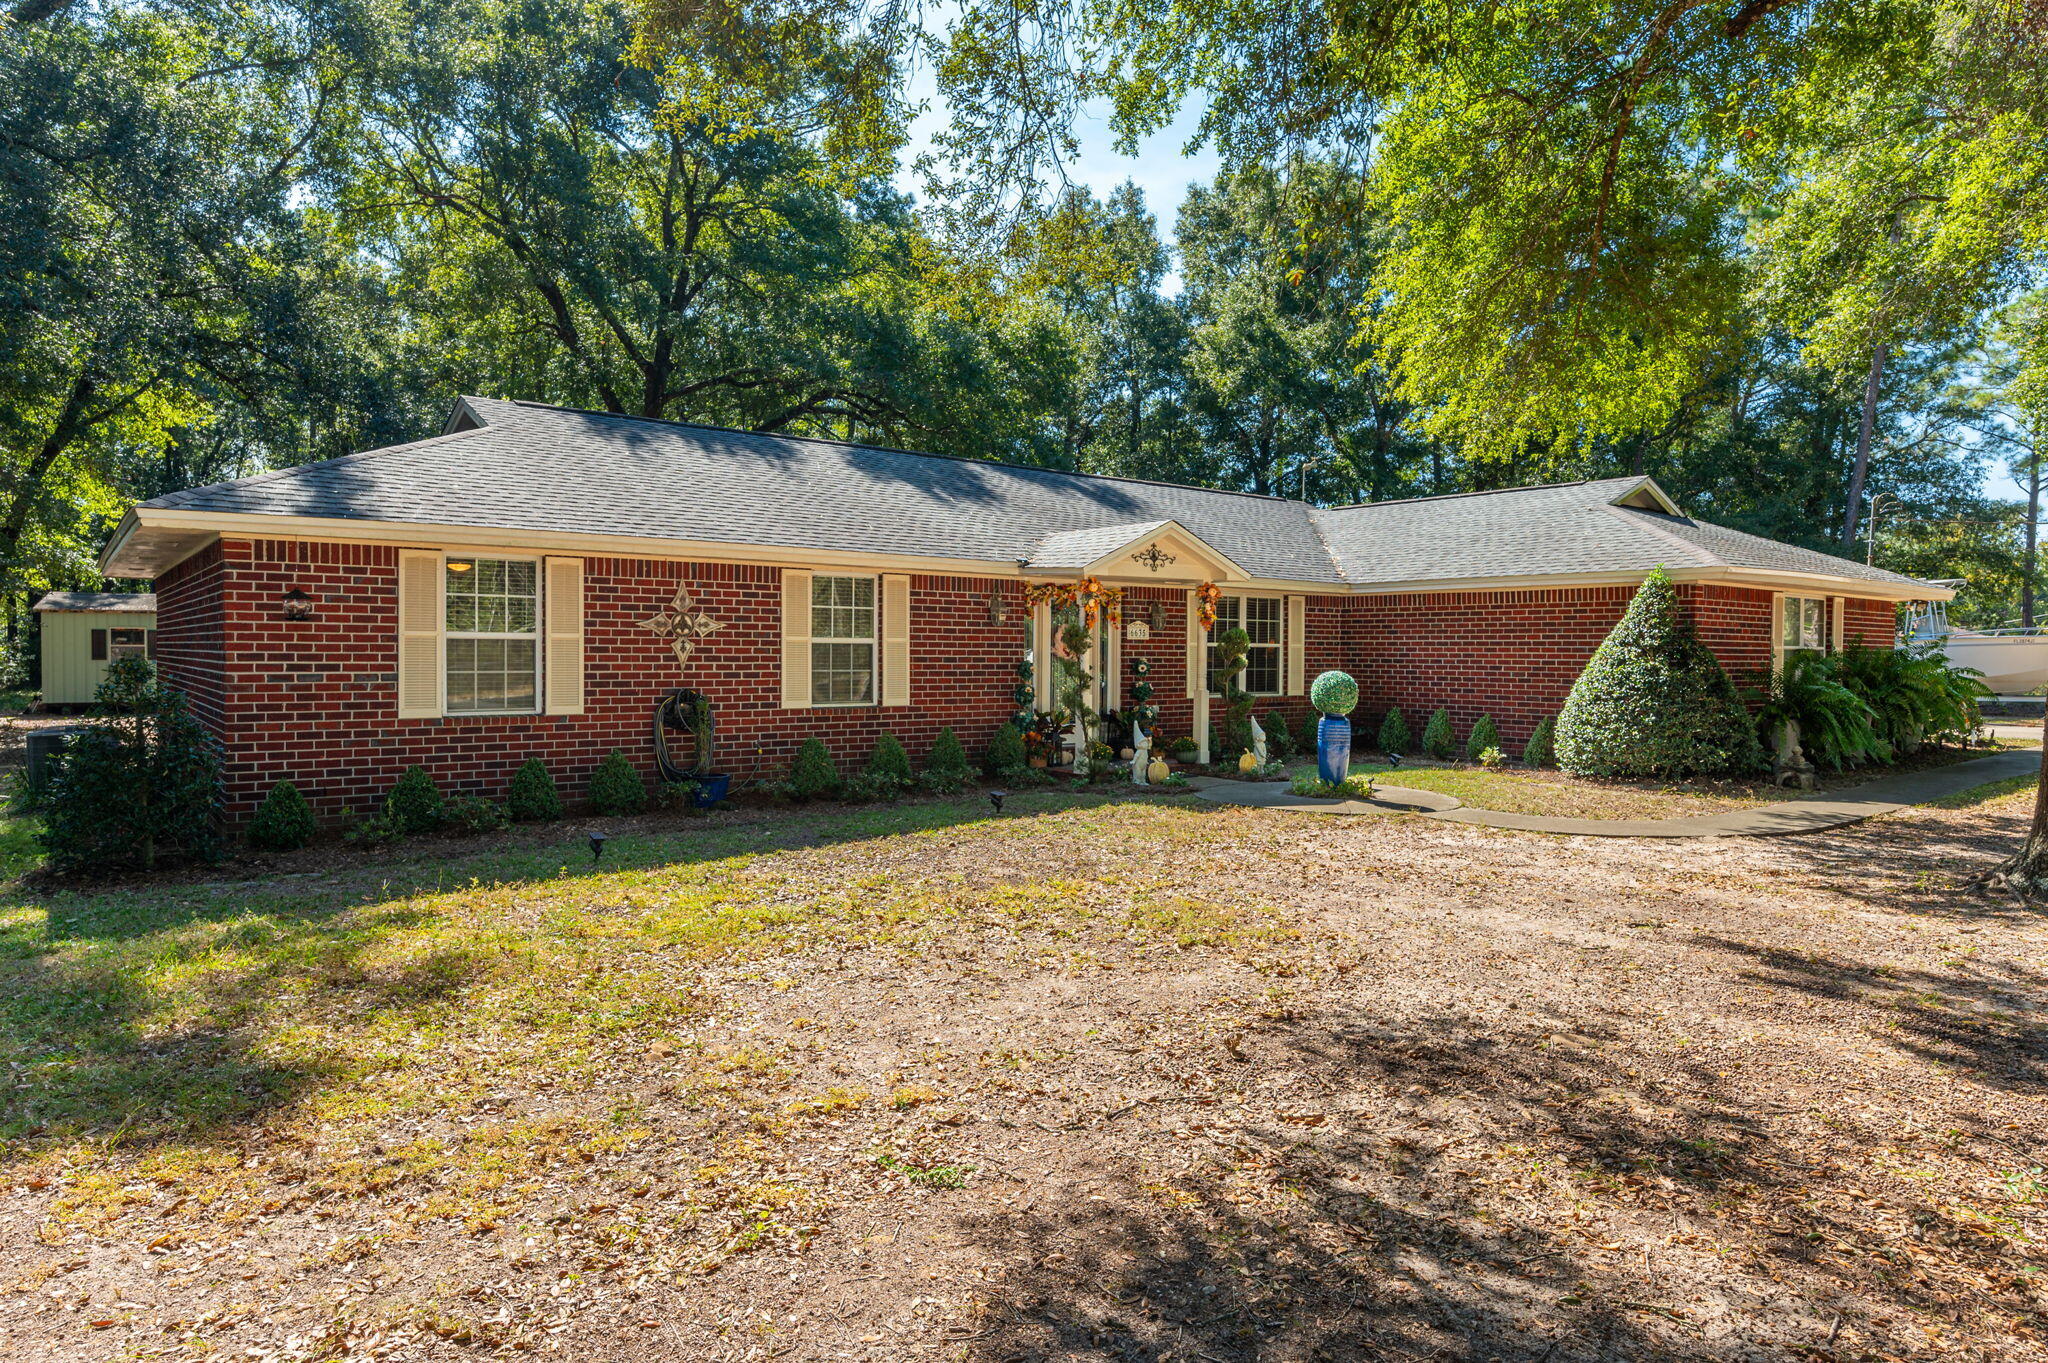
x: 895, y: 626
x: 562, y: 657
x: 1113, y: 664
x: 1280, y: 661
x: 796, y: 639
x: 1041, y: 656
x: 421, y: 612
x: 1294, y: 639
x: 537, y: 635
x: 1837, y: 623
x: 873, y: 640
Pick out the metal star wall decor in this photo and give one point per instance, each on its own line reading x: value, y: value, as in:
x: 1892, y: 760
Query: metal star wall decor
x: 1153, y: 558
x: 682, y: 624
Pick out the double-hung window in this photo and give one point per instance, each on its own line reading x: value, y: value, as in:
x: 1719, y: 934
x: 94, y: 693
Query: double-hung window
x: 842, y: 640
x: 1804, y: 626
x: 493, y: 635
x: 1259, y: 618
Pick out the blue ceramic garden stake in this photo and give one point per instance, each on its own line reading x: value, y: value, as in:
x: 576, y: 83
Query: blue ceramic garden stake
x: 1335, y: 696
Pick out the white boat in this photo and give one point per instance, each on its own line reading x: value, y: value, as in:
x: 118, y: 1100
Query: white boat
x: 2013, y: 661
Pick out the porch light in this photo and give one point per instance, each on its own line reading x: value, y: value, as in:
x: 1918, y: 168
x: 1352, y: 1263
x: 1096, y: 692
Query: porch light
x: 297, y: 605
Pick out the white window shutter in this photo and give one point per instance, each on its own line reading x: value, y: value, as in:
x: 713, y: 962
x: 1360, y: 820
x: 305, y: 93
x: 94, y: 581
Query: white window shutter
x: 796, y: 639
x: 1198, y: 645
x: 419, y: 635
x: 1836, y: 624
x: 563, y: 608
x: 895, y: 639
x: 1297, y: 646
x: 1041, y: 656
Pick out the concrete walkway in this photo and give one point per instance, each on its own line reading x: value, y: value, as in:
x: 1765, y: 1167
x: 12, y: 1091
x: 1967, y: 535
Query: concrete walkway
x: 1806, y: 814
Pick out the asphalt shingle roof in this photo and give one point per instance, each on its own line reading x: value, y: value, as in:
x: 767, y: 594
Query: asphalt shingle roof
x: 547, y: 468
x: 1538, y: 531
x: 82, y: 602
x: 539, y: 468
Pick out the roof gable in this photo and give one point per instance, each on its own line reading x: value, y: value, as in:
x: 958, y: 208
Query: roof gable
x: 1150, y: 550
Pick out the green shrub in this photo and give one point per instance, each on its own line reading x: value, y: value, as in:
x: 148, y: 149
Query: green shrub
x: 1438, y: 739
x: 141, y: 786
x: 1334, y: 693
x: 812, y: 775
x: 1837, y: 727
x: 1493, y: 759
x: 415, y: 804
x: 1394, y: 735
x: 1654, y: 701
x: 1540, y: 750
x: 678, y: 797
x: 1305, y: 732
x: 616, y: 788
x: 1232, y: 649
x: 1915, y: 695
x: 473, y: 814
x: 1483, y: 736
x: 888, y: 762
x: 1279, y: 737
x: 533, y: 797
x: 284, y: 821
x: 946, y: 769
x: 1005, y: 751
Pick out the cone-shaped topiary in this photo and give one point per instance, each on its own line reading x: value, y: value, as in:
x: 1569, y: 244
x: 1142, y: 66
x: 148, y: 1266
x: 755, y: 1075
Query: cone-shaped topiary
x: 1484, y: 735
x: 533, y: 795
x: 283, y: 821
x: 888, y: 762
x: 812, y: 775
x: 1540, y: 750
x: 1394, y: 735
x: 1005, y: 751
x: 1654, y: 701
x: 1437, y: 738
x: 415, y: 804
x: 948, y: 760
x: 615, y: 788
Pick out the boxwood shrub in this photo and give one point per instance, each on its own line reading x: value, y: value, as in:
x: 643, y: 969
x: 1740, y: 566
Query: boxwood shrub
x: 1654, y: 701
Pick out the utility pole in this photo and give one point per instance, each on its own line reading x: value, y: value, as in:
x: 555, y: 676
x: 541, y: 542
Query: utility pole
x: 1877, y: 504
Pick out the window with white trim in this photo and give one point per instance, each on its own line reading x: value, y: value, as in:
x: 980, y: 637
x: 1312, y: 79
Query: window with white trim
x: 1259, y: 617
x: 842, y: 640
x: 492, y: 617
x: 1804, y: 625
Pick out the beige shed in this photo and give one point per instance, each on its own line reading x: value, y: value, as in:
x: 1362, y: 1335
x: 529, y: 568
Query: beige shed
x: 83, y: 632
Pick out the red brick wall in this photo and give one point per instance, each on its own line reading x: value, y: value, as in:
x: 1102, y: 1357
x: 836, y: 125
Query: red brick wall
x: 1509, y: 654
x: 315, y: 701
x: 1876, y: 623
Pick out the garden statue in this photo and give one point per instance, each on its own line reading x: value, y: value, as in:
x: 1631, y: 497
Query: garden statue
x: 1141, y: 754
x: 1258, y: 739
x: 1789, y: 766
x: 1335, y: 696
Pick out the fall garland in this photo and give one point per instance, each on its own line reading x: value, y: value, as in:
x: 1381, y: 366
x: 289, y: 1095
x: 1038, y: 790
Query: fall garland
x: 1095, y: 601
x: 1206, y: 597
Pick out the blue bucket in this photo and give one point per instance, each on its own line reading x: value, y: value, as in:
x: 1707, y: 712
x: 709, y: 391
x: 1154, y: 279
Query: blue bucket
x: 1333, y: 748
x: 710, y: 789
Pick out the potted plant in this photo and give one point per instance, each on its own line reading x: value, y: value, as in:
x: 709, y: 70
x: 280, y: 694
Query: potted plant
x: 1335, y: 696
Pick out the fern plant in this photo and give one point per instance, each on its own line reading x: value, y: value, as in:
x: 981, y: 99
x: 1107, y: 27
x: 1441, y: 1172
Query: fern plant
x: 1837, y: 728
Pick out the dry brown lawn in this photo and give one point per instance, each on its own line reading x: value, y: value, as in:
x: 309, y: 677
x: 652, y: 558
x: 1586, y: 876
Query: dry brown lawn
x: 1099, y: 1080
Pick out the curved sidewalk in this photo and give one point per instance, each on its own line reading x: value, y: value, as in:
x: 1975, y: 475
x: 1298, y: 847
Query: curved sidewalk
x: 1806, y: 814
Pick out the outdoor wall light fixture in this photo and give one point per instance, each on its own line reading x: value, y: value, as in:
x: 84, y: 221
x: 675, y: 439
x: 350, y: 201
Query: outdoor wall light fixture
x: 297, y: 605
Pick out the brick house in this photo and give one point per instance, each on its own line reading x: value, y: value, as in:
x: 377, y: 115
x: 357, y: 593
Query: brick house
x: 500, y: 592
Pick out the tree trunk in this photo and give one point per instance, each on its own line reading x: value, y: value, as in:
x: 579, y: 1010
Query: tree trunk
x: 2033, y: 541
x: 1860, y: 470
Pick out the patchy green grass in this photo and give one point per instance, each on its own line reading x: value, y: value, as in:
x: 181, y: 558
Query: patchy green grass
x: 1541, y: 791
x: 1994, y: 792
x: 147, y: 1025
